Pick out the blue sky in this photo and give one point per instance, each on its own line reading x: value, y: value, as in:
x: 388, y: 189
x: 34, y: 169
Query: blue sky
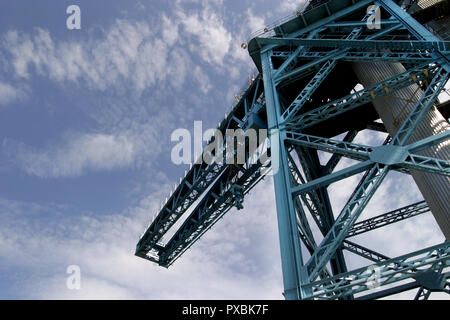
x: 85, y: 123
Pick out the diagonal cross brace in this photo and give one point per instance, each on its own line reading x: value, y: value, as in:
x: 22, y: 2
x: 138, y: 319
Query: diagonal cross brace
x: 389, y: 218
x: 423, y: 106
x: 362, y: 97
x: 320, y: 76
x: 378, y: 172
x: 344, y: 222
x: 336, y: 54
x: 389, y: 271
x: 396, y: 156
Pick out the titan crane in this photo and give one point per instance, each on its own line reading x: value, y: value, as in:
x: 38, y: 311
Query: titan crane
x: 306, y: 94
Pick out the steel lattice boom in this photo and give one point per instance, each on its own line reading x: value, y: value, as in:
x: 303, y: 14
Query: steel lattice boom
x: 307, y: 96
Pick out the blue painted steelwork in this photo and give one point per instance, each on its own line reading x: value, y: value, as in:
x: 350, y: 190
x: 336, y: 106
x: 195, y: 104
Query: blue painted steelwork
x: 390, y: 271
x: 292, y: 260
x: 369, y: 254
x: 319, y: 77
x: 363, y: 56
x: 388, y: 218
x: 360, y: 98
x: 370, y: 44
x: 306, y: 97
x: 396, y: 156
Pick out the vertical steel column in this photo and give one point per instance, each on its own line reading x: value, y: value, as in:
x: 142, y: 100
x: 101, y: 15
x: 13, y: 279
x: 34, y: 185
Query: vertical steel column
x: 294, y: 273
x: 311, y: 159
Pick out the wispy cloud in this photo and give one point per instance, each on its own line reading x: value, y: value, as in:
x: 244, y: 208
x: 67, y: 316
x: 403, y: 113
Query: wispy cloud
x: 137, y: 55
x: 130, y: 53
x: 237, y: 260
x: 83, y: 152
x: 10, y: 93
x: 214, y: 40
x: 290, y: 6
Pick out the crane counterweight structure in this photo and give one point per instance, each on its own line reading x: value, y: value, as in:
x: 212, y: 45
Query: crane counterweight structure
x: 332, y: 70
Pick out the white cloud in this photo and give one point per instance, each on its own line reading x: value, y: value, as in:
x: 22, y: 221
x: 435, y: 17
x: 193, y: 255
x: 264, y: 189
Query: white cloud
x: 255, y: 22
x: 9, y: 93
x: 214, y: 40
x: 130, y: 54
x: 170, y: 31
x: 291, y: 6
x: 202, y: 79
x: 238, y: 258
x: 83, y: 152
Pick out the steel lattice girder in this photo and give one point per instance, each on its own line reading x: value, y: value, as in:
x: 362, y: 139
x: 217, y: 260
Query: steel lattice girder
x: 364, y: 56
x: 416, y: 29
x: 213, y: 206
x: 376, y: 172
x: 363, y: 194
x: 292, y: 259
x: 337, y: 54
x: 362, y: 97
x: 292, y: 221
x: 399, y: 157
x: 390, y: 271
x: 197, y: 180
x: 320, y: 76
x: 336, y: 158
x: 414, y: 45
x: 307, y: 92
x: 363, y: 251
x: 426, y: 102
x: 343, y: 224
x: 311, y: 199
x: 388, y: 218
x: 313, y: 169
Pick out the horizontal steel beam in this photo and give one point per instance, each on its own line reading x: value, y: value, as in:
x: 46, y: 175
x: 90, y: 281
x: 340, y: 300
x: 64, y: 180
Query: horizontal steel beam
x: 389, y: 292
x: 363, y: 56
x: 331, y: 178
x: 361, y: 97
x: 383, y: 273
x: 443, y: 46
x: 334, y: 54
x: 364, y: 252
x: 353, y: 24
x: 398, y: 157
x: 388, y: 218
x: 336, y: 158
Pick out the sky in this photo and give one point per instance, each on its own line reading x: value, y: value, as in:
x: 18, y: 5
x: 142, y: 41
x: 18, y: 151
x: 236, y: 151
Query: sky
x: 85, y: 124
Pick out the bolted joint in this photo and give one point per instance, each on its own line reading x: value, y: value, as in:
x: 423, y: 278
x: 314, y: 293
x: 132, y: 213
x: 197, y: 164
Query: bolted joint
x: 389, y: 154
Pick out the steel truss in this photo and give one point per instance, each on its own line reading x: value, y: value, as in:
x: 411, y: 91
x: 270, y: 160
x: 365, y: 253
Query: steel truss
x: 375, y: 161
x: 296, y: 61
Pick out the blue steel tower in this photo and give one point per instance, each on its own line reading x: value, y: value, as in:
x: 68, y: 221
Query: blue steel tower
x: 307, y: 95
